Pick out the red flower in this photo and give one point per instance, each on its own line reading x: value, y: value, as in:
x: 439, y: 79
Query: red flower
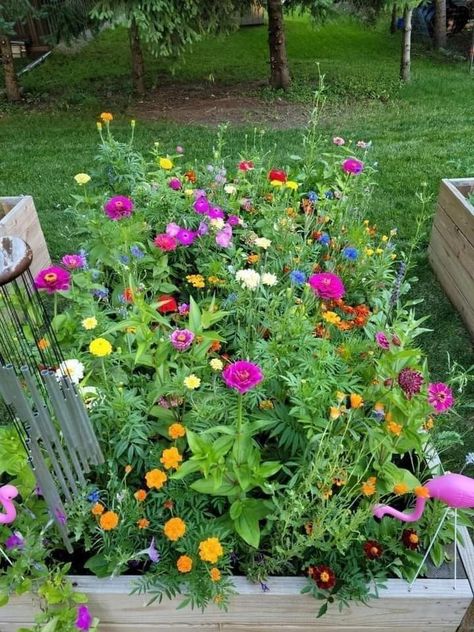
x: 373, y: 549
x: 277, y: 174
x: 411, y: 539
x: 246, y: 165
x: 323, y: 576
x: 167, y: 304
x: 127, y: 295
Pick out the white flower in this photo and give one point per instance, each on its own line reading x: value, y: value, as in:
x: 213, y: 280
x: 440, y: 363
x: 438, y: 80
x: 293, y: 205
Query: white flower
x: 269, y: 279
x: 73, y: 369
x: 263, y: 242
x: 217, y: 223
x: 248, y: 279
x: 230, y: 189
x: 216, y: 364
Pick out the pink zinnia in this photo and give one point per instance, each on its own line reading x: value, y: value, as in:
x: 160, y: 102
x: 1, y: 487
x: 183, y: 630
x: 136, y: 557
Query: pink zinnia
x: 74, y: 262
x: 242, y: 375
x: 382, y: 340
x: 118, y: 207
x: 185, y: 237
x: 172, y: 229
x: 410, y: 381
x: 215, y: 213
x: 165, y: 242
x: 327, y: 286
x: 224, y: 236
x: 246, y: 165
x: 353, y: 166
x: 181, y: 339
x: 440, y: 396
x: 84, y: 619
x: 53, y: 279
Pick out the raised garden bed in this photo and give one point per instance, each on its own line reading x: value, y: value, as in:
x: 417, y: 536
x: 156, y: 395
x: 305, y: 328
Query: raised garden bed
x: 451, y: 249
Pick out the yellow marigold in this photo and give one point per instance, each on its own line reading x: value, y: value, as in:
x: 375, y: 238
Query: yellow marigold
x: 215, y: 574
x: 422, y: 492
x: 143, y: 523
x: 43, y: 344
x: 171, y: 458
x: 140, y: 495
x: 253, y: 258
x: 109, y: 520
x: 184, y: 564
x: 196, y: 280
x: 331, y: 317
x: 100, y: 347
x: 192, y: 382
x: 335, y: 412
x: 276, y: 183
x: 177, y: 430
x: 356, y: 401
x: 368, y: 488
x: 174, y: 529
x: 291, y: 184
x: 266, y: 404
x: 166, y: 163
x: 394, y: 428
x: 216, y: 364
x: 89, y: 323
x: 106, y: 117
x: 429, y: 424
x: 378, y: 251
x: 213, y: 280
x: 400, y: 488
x: 384, y: 238
x: 82, y: 178
x: 155, y: 479
x: 210, y: 550
x: 98, y: 509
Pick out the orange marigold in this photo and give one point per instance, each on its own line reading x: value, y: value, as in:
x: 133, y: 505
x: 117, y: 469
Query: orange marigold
x: 251, y: 259
x: 155, y: 478
x: 174, y: 529
x: 215, y: 574
x: 171, y: 458
x: 422, y: 492
x: 184, y: 564
x: 400, y: 488
x: 394, y: 428
x: 356, y: 400
x: 43, y: 344
x: 109, y: 520
x: 215, y: 346
x: 98, y: 509
x: 368, y: 488
x: 106, y: 117
x: 176, y: 431
x: 143, y: 523
x: 210, y: 550
x: 140, y: 495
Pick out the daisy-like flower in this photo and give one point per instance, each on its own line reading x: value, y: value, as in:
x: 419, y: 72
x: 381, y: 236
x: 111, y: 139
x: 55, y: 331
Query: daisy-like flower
x: 118, y: 207
x: 89, y: 323
x: 323, y: 576
x: 82, y: 178
x: 73, y: 369
x: 269, y: 279
x: 263, y: 242
x: 192, y: 382
x: 440, y: 396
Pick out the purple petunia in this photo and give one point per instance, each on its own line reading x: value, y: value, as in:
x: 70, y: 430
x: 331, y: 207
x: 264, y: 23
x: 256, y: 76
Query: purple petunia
x: 83, y: 619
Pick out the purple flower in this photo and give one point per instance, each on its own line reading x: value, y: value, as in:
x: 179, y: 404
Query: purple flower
x: 137, y: 252
x: 94, y: 496
x: 84, y: 619
x: 15, y: 541
x: 353, y: 166
x: 153, y: 552
x: 175, y: 184
x: 440, y: 396
x: 201, y: 205
x: 172, y: 229
x: 327, y: 286
x: 410, y: 382
x: 224, y: 236
x: 74, y: 262
x: 233, y: 220
x: 118, y: 207
x: 60, y: 516
x: 185, y: 237
x: 350, y: 253
x: 197, y: 193
x: 215, y: 213
x: 53, y: 279
x: 183, y: 309
x: 203, y: 229
x: 242, y: 375
x: 382, y: 340
x: 181, y: 339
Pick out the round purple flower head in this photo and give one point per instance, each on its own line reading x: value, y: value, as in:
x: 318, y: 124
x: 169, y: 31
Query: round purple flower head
x: 74, y: 262
x: 410, y: 382
x: 201, y: 205
x: 181, y: 339
x: 118, y: 207
x: 327, y: 286
x: 53, y: 279
x: 382, y: 340
x: 84, y: 619
x: 185, y: 237
x: 15, y: 541
x: 440, y: 396
x: 215, y: 213
x: 242, y: 375
x: 175, y: 184
x: 353, y: 166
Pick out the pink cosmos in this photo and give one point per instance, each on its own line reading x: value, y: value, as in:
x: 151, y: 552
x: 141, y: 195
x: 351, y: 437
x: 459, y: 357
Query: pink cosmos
x: 118, y: 207
x: 353, y: 166
x: 201, y: 205
x: 440, y: 396
x: 246, y: 165
x: 181, y: 339
x: 382, y: 340
x: 172, y: 229
x: 224, y: 236
x: 53, y: 279
x: 327, y: 286
x: 337, y: 140
x: 185, y: 237
x: 216, y: 213
x: 242, y: 375
x: 74, y: 262
x: 165, y: 242
x: 84, y: 619
x: 175, y: 184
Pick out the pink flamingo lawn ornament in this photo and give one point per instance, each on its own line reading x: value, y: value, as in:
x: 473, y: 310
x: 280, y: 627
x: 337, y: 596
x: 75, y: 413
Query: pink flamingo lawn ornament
x: 7, y: 494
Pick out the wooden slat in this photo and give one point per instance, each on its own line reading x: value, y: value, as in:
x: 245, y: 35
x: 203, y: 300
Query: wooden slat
x: 454, y: 239
x: 457, y: 206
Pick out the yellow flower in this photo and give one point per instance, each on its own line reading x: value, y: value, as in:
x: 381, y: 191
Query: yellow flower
x: 369, y: 252
x: 99, y: 126
x: 215, y: 574
x: 429, y: 424
x: 100, y: 347
x: 177, y: 430
x: 98, y: 509
x: 356, y: 401
x: 106, y: 117
x: 192, y: 382
x: 266, y: 404
x: 394, y: 428
x: 400, y: 488
x: 210, y: 550
x: 378, y: 251
x: 334, y: 412
x: 263, y: 242
x: 143, y: 523
x: 174, y: 529
x: 291, y: 184
x: 133, y: 123
x: 109, y: 520
x: 155, y: 479
x: 188, y: 192
x: 171, y: 458
x: 331, y: 317
x: 384, y: 238
x: 166, y: 163
x: 216, y: 364
x: 213, y: 280
x: 43, y: 344
x: 82, y: 178
x: 368, y: 488
x: 196, y: 280
x: 276, y: 183
x: 89, y: 323
x: 184, y: 564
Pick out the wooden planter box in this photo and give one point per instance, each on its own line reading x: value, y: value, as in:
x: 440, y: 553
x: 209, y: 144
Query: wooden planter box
x: 451, y: 249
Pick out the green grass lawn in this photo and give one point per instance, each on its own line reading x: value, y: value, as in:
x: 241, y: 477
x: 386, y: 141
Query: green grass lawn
x: 421, y: 132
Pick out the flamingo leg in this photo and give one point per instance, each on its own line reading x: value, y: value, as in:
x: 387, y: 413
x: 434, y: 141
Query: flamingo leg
x: 425, y: 557
x: 6, y: 556
x: 455, y: 547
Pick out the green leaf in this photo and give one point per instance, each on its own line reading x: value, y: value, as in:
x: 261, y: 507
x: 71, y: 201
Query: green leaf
x: 235, y: 509
x: 248, y: 528
x: 3, y: 599
x: 194, y: 316
x: 323, y: 610
x: 188, y: 467
x: 208, y: 486
x: 437, y: 554
x: 98, y: 565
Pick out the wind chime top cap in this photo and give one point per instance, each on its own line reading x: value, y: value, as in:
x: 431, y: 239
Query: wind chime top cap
x: 15, y: 258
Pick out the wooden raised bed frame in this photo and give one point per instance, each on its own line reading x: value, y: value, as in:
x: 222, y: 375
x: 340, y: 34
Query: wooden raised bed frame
x: 451, y: 249
x: 18, y: 218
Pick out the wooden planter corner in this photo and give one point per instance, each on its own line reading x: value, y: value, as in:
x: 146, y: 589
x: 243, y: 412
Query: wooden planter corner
x: 451, y: 249
x: 18, y: 217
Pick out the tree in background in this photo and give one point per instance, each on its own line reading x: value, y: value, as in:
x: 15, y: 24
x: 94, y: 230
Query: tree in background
x: 405, y: 64
x: 11, y: 13
x: 440, y: 35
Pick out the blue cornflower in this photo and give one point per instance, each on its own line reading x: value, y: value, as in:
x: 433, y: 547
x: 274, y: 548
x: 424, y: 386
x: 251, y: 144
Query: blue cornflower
x: 101, y: 292
x: 94, y: 496
x: 470, y: 458
x: 324, y: 239
x: 312, y: 196
x: 137, y: 252
x: 329, y: 195
x: 124, y: 259
x: 350, y: 253
x: 297, y: 277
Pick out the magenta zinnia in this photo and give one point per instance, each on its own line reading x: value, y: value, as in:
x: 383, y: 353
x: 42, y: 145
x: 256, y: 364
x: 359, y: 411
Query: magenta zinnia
x: 74, y: 262
x: 53, y: 279
x: 440, y: 396
x: 118, y: 207
x: 327, y: 286
x: 353, y: 166
x: 182, y: 339
x: 242, y: 375
x: 410, y: 382
x: 165, y: 242
x: 382, y: 340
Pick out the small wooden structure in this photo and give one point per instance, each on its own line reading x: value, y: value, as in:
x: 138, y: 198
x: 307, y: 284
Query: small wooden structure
x: 451, y: 249
x: 18, y: 217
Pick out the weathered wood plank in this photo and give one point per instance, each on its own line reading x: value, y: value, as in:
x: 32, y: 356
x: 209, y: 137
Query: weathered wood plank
x: 454, y: 239
x: 457, y: 206
x: 467, y: 624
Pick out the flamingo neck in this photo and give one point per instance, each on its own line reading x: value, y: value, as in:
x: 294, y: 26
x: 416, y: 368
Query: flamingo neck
x: 400, y: 515
x: 10, y: 512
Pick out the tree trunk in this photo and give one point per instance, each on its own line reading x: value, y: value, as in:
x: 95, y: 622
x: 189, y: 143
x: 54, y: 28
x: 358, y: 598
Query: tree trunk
x: 406, y: 45
x: 11, y: 82
x: 138, y: 65
x: 393, y: 21
x: 440, y: 25
x: 279, y: 72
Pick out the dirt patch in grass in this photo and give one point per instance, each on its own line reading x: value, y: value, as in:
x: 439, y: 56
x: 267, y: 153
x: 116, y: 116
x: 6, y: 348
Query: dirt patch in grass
x: 211, y: 104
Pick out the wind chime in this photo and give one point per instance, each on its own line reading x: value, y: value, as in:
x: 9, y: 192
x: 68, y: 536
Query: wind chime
x: 37, y: 391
